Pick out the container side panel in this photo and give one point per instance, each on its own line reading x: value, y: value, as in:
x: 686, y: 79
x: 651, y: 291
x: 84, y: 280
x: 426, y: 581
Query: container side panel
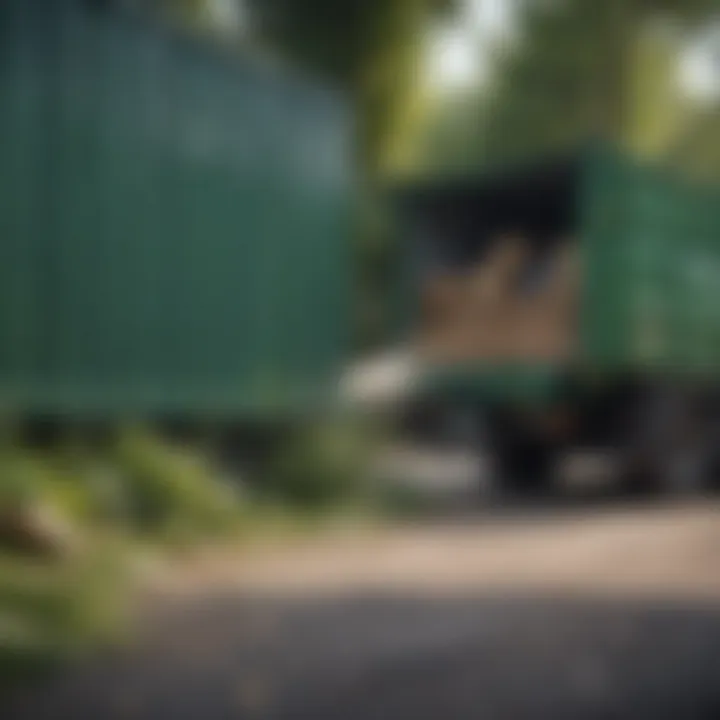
x: 653, y: 258
x: 174, y: 222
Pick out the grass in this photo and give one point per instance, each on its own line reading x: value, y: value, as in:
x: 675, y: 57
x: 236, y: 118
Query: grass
x: 72, y: 596
x: 52, y: 612
x: 144, y: 495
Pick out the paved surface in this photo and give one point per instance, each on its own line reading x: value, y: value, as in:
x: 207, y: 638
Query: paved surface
x: 596, y: 613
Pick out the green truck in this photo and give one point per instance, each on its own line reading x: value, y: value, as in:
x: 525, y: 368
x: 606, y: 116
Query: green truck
x: 175, y: 221
x: 623, y: 360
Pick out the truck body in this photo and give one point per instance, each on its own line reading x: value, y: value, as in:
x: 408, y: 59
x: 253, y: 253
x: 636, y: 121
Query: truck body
x: 565, y: 297
x: 174, y: 220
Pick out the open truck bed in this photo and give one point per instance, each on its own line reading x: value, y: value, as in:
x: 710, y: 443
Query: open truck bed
x: 507, y: 330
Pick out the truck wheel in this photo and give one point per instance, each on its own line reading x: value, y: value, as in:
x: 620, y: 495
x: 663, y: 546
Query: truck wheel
x: 526, y: 469
x: 673, y: 448
x: 685, y: 471
x: 523, y: 462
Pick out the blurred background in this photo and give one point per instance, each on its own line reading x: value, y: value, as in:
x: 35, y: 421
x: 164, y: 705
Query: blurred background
x: 360, y: 358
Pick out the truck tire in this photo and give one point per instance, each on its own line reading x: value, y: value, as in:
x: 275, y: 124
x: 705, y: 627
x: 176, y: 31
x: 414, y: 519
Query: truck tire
x: 673, y: 449
x: 524, y: 462
x: 685, y: 471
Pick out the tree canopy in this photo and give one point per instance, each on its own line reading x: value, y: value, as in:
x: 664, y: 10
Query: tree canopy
x: 577, y: 69
x: 369, y: 48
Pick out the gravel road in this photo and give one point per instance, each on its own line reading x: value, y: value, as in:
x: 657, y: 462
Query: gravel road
x: 588, y: 613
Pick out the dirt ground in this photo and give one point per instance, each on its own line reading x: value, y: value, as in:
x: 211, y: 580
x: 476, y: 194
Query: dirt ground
x: 591, y: 612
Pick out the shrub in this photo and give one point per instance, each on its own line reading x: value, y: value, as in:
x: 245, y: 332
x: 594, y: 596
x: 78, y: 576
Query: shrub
x: 173, y: 491
x: 51, y: 612
x: 323, y: 463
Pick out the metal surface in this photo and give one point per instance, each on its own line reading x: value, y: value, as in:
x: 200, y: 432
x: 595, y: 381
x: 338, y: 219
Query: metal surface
x: 650, y: 296
x: 174, y: 221
x: 652, y: 257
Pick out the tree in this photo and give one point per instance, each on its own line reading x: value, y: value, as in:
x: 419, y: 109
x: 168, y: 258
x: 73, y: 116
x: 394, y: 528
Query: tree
x: 573, y: 74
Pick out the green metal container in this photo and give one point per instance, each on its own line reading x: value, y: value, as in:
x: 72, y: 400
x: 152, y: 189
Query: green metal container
x: 652, y: 269
x: 650, y: 294
x: 174, y: 220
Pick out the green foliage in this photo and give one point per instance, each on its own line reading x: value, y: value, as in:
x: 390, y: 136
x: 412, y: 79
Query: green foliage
x: 323, y: 464
x: 53, y: 501
x: 76, y: 484
x: 53, y: 606
x: 50, y: 612
x: 569, y: 76
x: 403, y: 502
x: 173, y: 492
x: 451, y: 141
x: 22, y: 478
x: 57, y: 597
x: 562, y: 82
x: 697, y: 154
x: 44, y: 503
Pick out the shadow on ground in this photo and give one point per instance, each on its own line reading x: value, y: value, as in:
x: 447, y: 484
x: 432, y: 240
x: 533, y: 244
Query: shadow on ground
x: 402, y: 657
